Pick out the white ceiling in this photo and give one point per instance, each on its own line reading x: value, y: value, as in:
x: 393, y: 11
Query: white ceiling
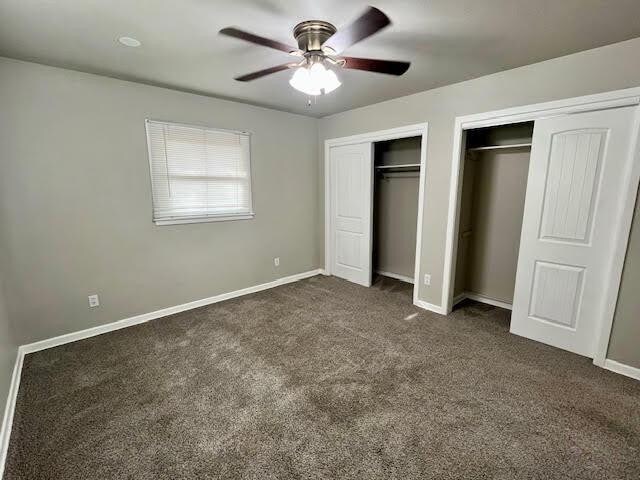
x: 447, y: 41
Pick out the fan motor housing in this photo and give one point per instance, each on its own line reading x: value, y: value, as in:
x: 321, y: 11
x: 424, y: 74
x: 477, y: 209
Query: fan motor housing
x: 311, y: 34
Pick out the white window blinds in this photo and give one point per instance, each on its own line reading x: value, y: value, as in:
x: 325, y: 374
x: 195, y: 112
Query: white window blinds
x: 198, y: 174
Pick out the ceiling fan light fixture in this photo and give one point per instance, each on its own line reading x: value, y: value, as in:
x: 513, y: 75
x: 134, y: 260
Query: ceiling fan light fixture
x: 320, y: 45
x: 314, y: 80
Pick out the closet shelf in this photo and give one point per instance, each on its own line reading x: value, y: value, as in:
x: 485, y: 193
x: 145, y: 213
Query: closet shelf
x: 405, y: 165
x: 499, y: 147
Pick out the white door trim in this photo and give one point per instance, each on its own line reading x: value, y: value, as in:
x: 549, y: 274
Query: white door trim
x: 600, y: 101
x: 419, y: 129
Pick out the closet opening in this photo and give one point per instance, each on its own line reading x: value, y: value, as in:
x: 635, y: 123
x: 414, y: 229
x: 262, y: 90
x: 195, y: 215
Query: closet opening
x: 494, y: 184
x: 396, y: 187
x: 374, y: 192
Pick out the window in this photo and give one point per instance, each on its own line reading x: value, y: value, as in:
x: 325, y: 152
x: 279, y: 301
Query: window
x: 198, y: 174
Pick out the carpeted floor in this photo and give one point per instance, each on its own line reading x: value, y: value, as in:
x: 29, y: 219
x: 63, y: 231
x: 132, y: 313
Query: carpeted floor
x: 322, y: 379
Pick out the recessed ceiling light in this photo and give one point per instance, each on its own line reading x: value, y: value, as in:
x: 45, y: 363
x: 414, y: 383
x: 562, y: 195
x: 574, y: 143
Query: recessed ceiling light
x: 130, y: 42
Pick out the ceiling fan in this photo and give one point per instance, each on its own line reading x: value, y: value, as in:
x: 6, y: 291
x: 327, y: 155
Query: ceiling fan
x: 320, y: 45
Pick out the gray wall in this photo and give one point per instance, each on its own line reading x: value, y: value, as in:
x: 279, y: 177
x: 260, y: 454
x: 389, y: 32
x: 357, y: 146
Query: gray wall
x: 396, y: 208
x: 495, y: 184
x: 75, y: 201
x: 624, y: 345
x: 608, y: 68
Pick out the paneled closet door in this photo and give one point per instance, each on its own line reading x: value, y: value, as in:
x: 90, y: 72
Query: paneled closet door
x: 351, y: 205
x: 572, y: 209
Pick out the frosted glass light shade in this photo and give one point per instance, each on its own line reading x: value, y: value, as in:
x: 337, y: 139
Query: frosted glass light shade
x: 316, y: 80
x: 330, y: 81
x: 301, y: 81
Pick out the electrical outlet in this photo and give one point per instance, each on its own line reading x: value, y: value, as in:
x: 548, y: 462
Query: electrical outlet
x: 94, y: 301
x: 427, y: 279
x: 276, y: 261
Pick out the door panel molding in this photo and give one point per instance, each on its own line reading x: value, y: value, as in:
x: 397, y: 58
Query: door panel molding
x: 583, y: 179
x: 556, y: 287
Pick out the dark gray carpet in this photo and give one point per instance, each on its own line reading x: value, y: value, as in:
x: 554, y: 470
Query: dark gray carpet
x: 322, y: 379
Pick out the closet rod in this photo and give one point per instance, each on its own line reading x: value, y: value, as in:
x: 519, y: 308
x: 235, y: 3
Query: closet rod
x: 405, y: 165
x: 408, y: 174
x: 499, y: 147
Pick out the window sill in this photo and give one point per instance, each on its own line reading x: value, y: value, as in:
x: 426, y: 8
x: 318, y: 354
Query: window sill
x: 221, y: 218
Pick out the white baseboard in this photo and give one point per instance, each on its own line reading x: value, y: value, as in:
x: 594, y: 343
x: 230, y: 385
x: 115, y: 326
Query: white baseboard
x: 482, y: 299
x: 622, y: 369
x: 430, y: 306
x: 9, y: 410
x: 458, y: 298
x: 397, y: 276
x: 145, y: 317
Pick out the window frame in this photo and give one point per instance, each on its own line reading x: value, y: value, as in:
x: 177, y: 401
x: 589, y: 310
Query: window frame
x: 186, y: 219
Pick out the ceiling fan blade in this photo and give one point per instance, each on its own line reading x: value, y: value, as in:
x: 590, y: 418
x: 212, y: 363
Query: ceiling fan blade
x: 370, y: 22
x: 250, y: 37
x: 267, y: 71
x: 390, y: 67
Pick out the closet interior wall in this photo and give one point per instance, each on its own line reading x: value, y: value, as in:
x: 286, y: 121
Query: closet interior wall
x: 491, y: 211
x: 395, y: 207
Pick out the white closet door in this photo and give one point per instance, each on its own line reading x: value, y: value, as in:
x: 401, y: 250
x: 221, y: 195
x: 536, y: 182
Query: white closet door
x: 351, y: 205
x: 571, y: 213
